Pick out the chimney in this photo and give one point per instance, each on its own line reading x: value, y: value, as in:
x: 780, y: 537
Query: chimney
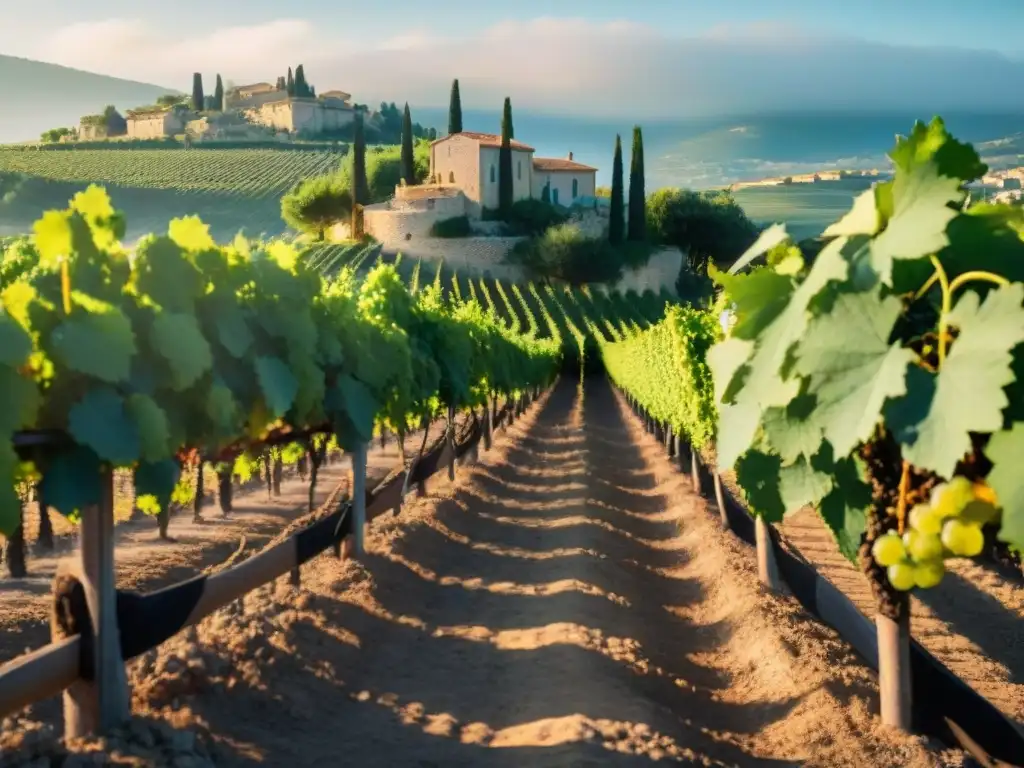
x: 570, y: 155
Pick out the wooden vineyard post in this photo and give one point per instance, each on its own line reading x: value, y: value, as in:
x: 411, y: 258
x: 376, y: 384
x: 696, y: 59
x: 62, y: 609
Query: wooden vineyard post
x: 101, y: 704
x: 767, y: 570
x: 359, y: 498
x: 894, y: 669
x: 450, y: 438
x: 720, y: 500
x: 694, y: 469
x: 488, y: 427
x: 670, y: 446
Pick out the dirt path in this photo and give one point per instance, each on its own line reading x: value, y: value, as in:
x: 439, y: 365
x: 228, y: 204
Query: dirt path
x: 568, y: 602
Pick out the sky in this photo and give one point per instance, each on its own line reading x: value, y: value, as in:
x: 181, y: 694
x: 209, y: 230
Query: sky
x: 600, y: 57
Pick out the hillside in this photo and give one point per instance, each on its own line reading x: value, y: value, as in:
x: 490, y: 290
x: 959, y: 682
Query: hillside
x: 38, y: 96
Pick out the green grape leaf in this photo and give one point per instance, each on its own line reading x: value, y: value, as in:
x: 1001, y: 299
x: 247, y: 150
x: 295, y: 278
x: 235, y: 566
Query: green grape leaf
x: 737, y: 428
x: 21, y: 401
x: 1004, y: 450
x: 922, y: 210
x: 53, y: 237
x: 232, y: 330
x: 725, y: 359
x: 93, y: 203
x: 278, y: 384
x: 775, y: 235
x: 10, y: 504
x: 934, y: 420
x: 853, y: 370
x: 154, y: 484
x: 844, y: 508
x: 71, y: 480
x: 98, y: 342
x: 759, y: 296
x: 191, y: 234
x: 166, y: 274
x: 793, y: 431
x: 354, y: 409
x: 758, y: 475
x: 862, y: 219
x: 151, y: 422
x: 178, y: 339
x: 221, y: 407
x: 933, y: 143
x: 15, y: 343
x: 99, y: 421
x: 986, y: 237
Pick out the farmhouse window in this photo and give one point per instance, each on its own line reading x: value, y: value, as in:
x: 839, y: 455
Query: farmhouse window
x: 451, y: 177
x: 575, y: 188
x: 519, y: 169
x: 492, y: 174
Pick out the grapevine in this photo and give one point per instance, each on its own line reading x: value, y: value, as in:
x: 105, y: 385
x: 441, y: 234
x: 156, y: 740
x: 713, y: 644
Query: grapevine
x: 880, y: 380
x: 186, y: 348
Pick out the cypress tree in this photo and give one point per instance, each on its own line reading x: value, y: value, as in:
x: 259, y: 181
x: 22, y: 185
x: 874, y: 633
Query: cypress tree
x: 455, y: 109
x: 198, y: 100
x: 290, y: 83
x: 360, y: 186
x: 218, y: 95
x: 282, y: 84
x: 408, y: 162
x: 617, y: 223
x: 637, y: 214
x: 301, y: 86
x: 506, y: 193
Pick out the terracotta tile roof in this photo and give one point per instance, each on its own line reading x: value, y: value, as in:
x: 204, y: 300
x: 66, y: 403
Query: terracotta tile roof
x: 487, y: 140
x: 559, y: 164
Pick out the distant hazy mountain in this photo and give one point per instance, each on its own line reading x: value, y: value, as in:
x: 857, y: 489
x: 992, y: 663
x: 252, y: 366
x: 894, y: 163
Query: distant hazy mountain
x: 36, y: 96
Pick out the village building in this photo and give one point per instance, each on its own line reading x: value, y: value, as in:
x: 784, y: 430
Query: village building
x: 252, y: 96
x: 156, y: 123
x: 469, y: 161
x: 306, y: 115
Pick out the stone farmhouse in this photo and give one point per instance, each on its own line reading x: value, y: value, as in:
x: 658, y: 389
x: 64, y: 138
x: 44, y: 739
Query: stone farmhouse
x: 463, y: 181
x: 265, y: 104
x: 469, y: 162
x: 157, y: 123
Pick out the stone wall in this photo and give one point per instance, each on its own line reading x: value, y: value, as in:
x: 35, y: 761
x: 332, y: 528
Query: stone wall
x: 395, y: 224
x: 660, y: 272
x: 477, y: 256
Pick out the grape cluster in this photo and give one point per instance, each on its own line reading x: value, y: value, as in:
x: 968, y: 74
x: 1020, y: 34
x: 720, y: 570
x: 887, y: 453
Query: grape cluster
x: 949, y: 525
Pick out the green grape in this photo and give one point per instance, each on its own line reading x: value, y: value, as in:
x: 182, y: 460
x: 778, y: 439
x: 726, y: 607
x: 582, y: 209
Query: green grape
x: 979, y: 512
x: 923, y: 519
x: 963, y: 539
x: 922, y: 546
x: 949, y: 499
x: 929, y: 573
x: 888, y: 550
x: 901, y: 576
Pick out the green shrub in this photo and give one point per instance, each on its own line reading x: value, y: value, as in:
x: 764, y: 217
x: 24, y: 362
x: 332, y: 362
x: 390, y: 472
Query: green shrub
x: 709, y: 227
x: 528, y: 217
x: 384, y: 169
x: 563, y: 252
x: 457, y: 226
x: 313, y: 205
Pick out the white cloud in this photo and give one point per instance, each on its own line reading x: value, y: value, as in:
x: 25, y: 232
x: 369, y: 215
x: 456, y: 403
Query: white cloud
x: 564, y: 64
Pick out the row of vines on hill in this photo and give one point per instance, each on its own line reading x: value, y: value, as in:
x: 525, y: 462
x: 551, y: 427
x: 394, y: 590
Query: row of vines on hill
x: 144, y: 360
x: 879, y: 381
x: 252, y: 173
